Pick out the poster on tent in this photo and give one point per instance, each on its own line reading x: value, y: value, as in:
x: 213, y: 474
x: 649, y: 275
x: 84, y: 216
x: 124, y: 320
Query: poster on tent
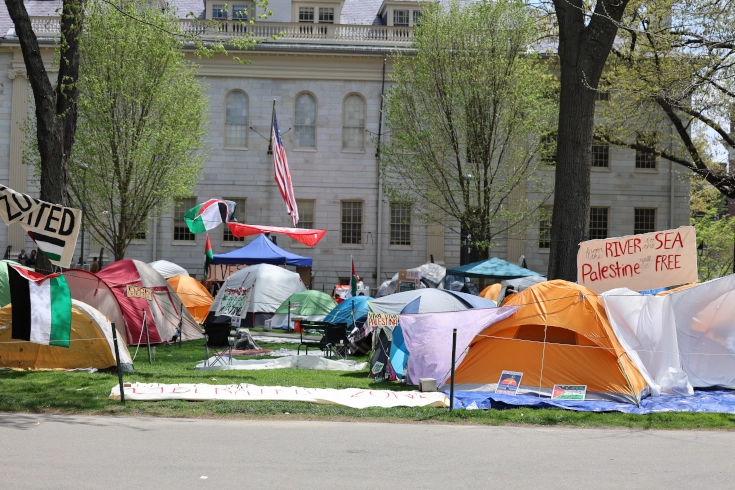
x: 220, y: 272
x: 639, y: 262
x: 569, y: 392
x: 509, y: 382
x: 235, y: 301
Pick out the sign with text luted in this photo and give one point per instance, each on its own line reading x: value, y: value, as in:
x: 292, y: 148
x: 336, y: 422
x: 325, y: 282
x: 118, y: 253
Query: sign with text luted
x: 382, y: 320
x: 639, y: 262
x: 138, y: 292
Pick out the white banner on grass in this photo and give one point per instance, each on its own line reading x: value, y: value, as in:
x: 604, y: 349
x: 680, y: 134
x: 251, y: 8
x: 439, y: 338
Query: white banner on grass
x: 639, y: 262
x: 350, y: 397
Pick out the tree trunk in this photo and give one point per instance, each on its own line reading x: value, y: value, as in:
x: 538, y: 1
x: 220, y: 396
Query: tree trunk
x: 583, y: 51
x: 55, y: 113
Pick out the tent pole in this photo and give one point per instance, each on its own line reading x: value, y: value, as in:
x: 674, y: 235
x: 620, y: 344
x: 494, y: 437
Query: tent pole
x: 451, y: 386
x: 181, y: 324
x: 119, y: 371
x: 147, y: 336
x: 288, y: 321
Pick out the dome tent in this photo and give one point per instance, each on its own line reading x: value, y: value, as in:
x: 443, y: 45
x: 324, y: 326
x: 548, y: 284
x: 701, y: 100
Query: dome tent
x: 90, y: 346
x: 313, y: 305
x: 168, y: 269
x: 195, y: 297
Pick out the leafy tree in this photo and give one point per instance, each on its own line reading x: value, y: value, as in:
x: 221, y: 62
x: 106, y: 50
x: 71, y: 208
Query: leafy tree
x: 674, y: 67
x: 466, y: 117
x: 56, y: 106
x: 715, y: 229
x: 142, y: 121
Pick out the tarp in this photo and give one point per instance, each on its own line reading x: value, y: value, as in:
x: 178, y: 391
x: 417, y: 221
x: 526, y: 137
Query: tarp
x: 343, y: 312
x: 559, y: 335
x: 432, y: 301
x: 4, y: 286
x: 168, y: 269
x: 271, y: 286
x: 493, y: 268
x: 304, y: 235
x: 703, y: 329
x: 195, y: 297
x: 700, y: 402
x: 428, y: 338
x: 262, y: 251
x: 286, y: 362
x: 350, y: 397
x: 311, y: 304
x: 163, y: 311
x: 90, y: 345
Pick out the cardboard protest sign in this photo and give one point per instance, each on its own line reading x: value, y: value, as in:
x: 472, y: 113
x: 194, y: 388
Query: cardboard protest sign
x: 138, y: 292
x: 53, y: 227
x: 235, y: 301
x: 639, y: 262
x: 221, y: 272
x: 382, y: 320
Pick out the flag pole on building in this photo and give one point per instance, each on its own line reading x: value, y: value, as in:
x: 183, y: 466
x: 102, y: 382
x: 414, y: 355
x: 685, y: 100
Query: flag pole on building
x: 353, y: 279
x: 273, y: 118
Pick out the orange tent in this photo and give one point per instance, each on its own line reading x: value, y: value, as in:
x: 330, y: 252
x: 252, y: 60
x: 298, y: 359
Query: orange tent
x: 559, y: 335
x: 491, y: 292
x: 195, y: 297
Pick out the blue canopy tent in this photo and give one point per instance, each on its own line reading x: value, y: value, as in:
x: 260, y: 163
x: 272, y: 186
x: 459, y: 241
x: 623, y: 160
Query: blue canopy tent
x: 493, y: 268
x: 262, y: 251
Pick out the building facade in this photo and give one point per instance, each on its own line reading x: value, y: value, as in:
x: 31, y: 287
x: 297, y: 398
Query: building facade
x: 325, y: 75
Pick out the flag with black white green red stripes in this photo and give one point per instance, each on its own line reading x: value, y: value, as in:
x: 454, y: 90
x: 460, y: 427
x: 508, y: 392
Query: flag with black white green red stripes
x: 41, y: 307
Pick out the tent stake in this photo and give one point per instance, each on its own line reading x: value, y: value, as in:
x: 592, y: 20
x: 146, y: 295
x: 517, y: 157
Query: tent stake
x: 147, y: 336
x: 119, y: 371
x: 451, y: 386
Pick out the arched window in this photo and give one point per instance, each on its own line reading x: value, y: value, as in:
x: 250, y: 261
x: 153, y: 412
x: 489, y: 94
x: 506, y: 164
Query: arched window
x: 305, y: 121
x: 353, y: 123
x: 236, y: 120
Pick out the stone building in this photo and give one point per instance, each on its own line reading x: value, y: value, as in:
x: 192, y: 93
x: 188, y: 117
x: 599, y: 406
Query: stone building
x: 326, y: 75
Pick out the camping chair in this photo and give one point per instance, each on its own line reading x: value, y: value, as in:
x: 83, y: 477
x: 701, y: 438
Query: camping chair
x: 220, y: 341
x: 335, y: 341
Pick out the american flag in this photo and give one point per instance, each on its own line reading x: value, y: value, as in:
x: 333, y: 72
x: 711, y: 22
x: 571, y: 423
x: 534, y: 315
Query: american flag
x: 282, y: 174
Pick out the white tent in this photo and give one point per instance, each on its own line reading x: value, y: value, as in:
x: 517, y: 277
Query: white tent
x: 168, y: 269
x: 431, y: 301
x: 691, y: 330
x: 271, y: 285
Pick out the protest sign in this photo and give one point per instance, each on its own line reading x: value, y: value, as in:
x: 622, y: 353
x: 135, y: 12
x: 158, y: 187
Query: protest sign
x: 53, y: 227
x: 138, y: 292
x: 639, y: 262
x: 382, y: 320
x: 509, y: 382
x: 235, y: 301
x: 569, y: 392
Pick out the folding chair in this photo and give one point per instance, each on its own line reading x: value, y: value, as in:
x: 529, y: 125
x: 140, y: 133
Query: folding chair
x: 220, y: 341
x: 334, y: 341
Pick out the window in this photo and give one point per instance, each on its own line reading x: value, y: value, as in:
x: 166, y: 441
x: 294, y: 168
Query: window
x: 181, y: 230
x: 544, y: 227
x: 400, y: 223
x: 306, y: 14
x: 240, y: 12
x: 548, y: 148
x: 236, y: 120
x: 306, y: 213
x: 600, y: 154
x: 351, y: 222
x: 353, y: 123
x: 305, y: 121
x: 416, y: 17
x: 400, y: 18
x: 598, y: 223
x: 643, y: 159
x: 602, y: 95
x: 240, y: 214
x: 219, y: 12
x: 644, y: 221
x: 141, y: 234
x: 326, y: 15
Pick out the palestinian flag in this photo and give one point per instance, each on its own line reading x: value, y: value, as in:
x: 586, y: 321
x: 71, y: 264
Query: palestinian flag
x: 353, y: 279
x: 208, y: 256
x: 41, y: 307
x: 52, y: 247
x: 209, y: 215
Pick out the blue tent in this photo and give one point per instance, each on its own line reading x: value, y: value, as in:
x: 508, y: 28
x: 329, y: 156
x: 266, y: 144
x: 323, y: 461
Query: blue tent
x: 342, y: 313
x: 493, y: 268
x: 262, y: 251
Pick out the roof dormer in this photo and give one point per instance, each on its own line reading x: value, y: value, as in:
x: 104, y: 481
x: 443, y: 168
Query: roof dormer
x: 400, y: 13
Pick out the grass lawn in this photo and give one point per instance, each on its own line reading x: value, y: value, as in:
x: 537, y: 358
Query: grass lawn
x: 85, y: 393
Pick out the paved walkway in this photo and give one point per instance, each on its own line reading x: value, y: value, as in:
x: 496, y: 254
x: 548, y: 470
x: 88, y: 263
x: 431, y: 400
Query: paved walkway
x: 44, y: 451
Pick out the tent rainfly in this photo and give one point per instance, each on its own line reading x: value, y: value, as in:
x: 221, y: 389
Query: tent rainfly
x: 168, y: 269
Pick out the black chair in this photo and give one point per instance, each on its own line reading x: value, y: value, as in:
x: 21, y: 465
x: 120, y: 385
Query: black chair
x: 334, y: 341
x: 220, y: 341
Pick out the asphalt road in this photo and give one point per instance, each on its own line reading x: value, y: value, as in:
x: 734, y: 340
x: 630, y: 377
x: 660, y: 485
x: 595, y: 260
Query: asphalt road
x: 43, y: 451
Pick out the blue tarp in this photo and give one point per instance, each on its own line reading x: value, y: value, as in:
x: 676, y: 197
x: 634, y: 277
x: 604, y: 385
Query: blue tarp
x: 262, y: 251
x: 493, y: 268
x: 342, y: 313
x: 715, y: 401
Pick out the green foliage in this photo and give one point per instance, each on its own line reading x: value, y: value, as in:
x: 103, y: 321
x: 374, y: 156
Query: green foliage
x: 142, y: 121
x: 715, y: 229
x: 465, y: 118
